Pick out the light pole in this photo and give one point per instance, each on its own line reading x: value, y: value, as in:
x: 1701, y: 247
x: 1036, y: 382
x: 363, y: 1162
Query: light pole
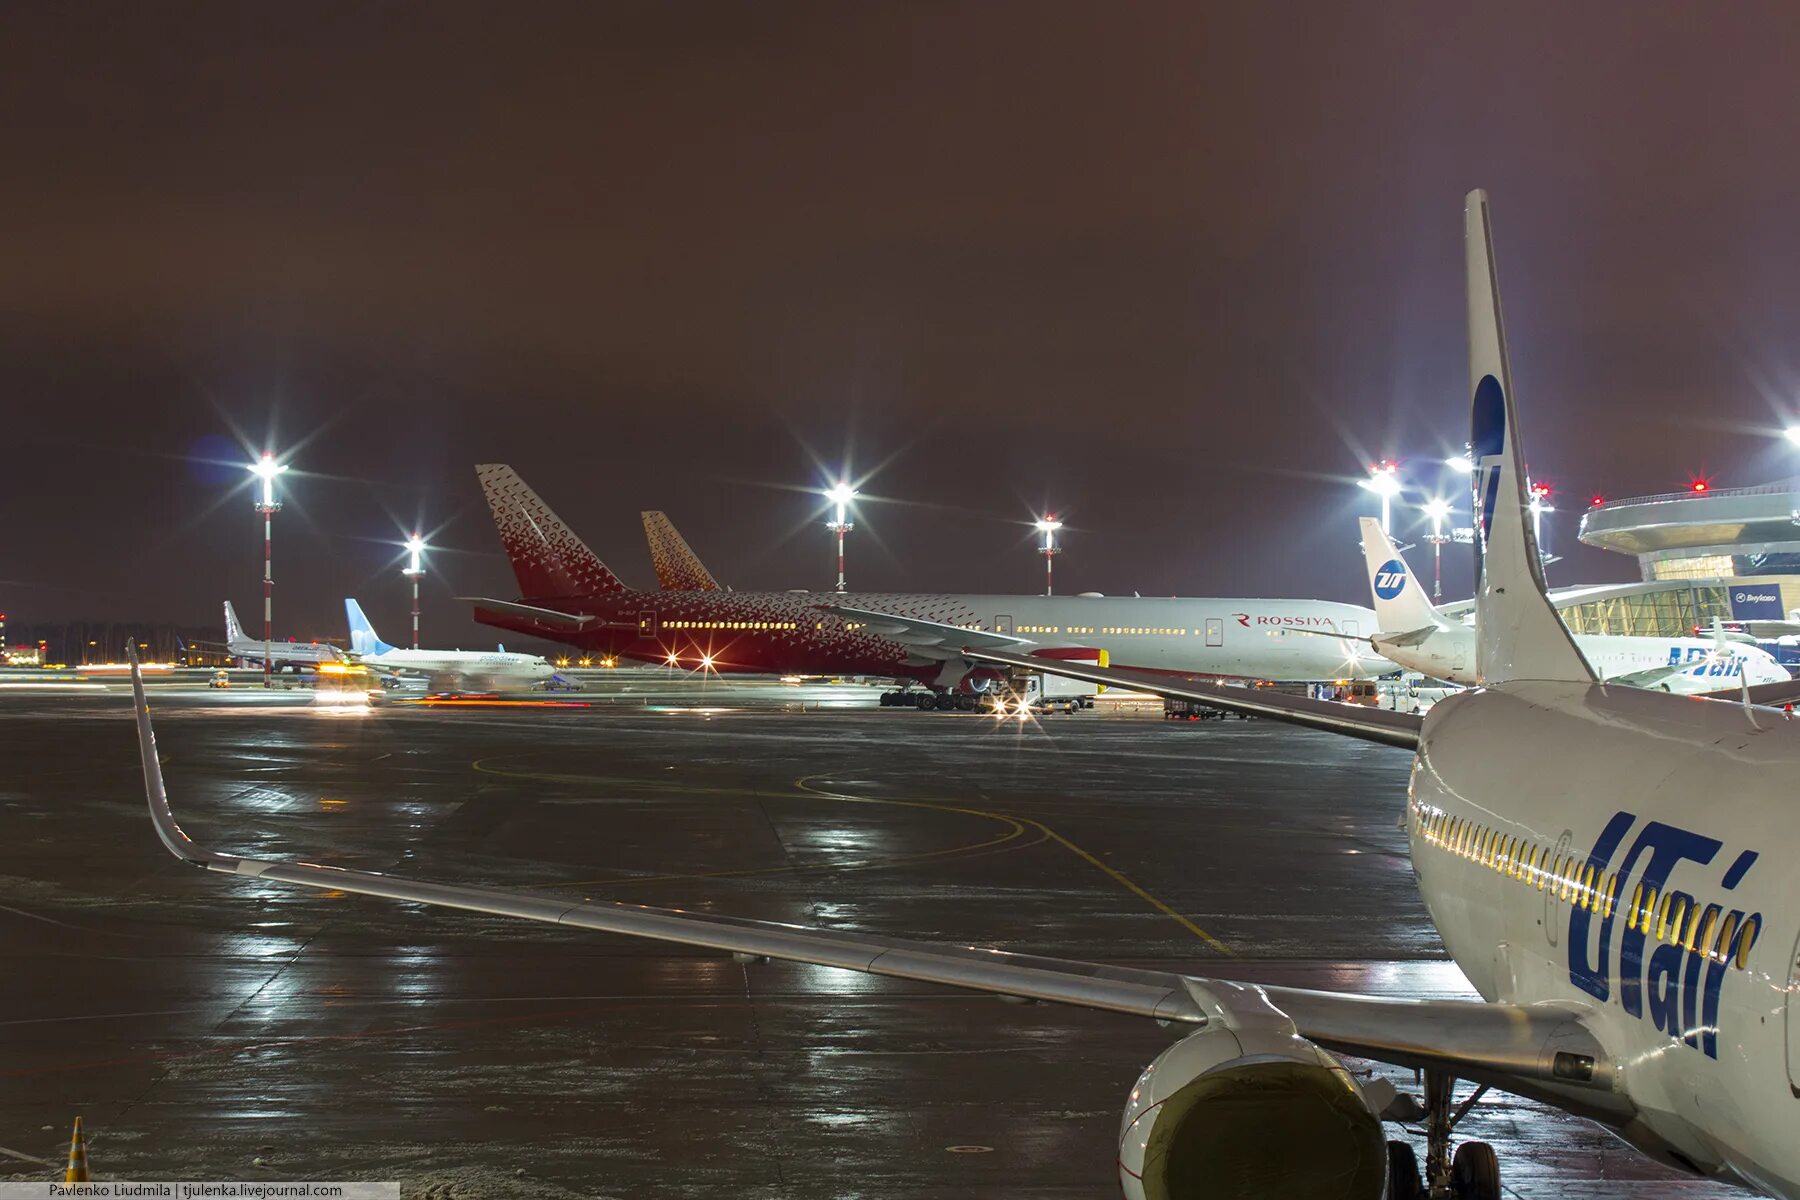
x: 266, y: 469
x: 1048, y: 525
x: 840, y: 494
x: 1540, y: 504
x: 415, y: 546
x: 1384, y: 481
x: 1438, y: 509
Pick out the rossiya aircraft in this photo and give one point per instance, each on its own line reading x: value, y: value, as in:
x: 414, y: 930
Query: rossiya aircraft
x: 444, y: 670
x: 568, y: 595
x: 1412, y: 632
x: 678, y: 568
x: 1632, y: 952
x: 281, y: 654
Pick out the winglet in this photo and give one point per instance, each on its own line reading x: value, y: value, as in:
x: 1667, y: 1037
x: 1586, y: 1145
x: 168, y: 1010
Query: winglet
x: 1401, y: 605
x: 178, y: 843
x: 1519, y: 635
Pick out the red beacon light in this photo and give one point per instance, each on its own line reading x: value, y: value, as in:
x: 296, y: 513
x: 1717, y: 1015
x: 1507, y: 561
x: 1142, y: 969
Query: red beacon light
x: 1700, y: 485
x: 1597, y: 502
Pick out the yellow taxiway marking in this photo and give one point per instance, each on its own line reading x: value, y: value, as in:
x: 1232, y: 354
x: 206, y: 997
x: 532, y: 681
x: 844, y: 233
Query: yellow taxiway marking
x: 1015, y: 828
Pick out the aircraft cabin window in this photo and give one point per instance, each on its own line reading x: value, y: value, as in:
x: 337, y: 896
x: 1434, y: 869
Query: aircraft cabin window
x: 1746, y: 935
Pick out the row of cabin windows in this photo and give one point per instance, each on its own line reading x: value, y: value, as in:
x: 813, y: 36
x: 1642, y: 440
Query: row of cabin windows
x: 1145, y: 629
x: 1671, y: 918
x: 1053, y: 629
x: 732, y: 625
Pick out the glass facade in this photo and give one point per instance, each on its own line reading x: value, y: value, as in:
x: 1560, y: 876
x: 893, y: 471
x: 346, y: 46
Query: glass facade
x: 1672, y: 612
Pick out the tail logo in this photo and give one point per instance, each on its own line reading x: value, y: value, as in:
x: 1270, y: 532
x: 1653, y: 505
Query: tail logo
x: 1487, y: 445
x: 1390, y: 580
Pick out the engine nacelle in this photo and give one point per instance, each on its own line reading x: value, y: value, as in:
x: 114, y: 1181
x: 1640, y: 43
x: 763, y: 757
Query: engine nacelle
x: 1230, y: 1113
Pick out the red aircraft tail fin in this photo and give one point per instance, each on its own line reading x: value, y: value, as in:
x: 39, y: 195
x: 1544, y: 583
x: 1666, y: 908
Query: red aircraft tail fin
x: 549, y: 560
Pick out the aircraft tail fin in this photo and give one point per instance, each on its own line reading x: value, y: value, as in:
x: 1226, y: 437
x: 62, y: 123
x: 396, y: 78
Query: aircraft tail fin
x: 1519, y: 635
x: 678, y: 568
x: 549, y: 561
x: 363, y: 638
x: 234, y: 629
x: 1401, y: 605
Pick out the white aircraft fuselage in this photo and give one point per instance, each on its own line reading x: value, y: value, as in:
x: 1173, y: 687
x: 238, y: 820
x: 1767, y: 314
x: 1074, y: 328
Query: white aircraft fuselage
x: 1680, y: 806
x: 1695, y: 664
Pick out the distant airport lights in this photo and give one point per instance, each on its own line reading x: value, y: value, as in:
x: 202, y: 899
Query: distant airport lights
x: 840, y: 494
x: 415, y: 547
x: 266, y: 469
x: 1384, y: 481
x: 1438, y: 510
x: 1048, y: 525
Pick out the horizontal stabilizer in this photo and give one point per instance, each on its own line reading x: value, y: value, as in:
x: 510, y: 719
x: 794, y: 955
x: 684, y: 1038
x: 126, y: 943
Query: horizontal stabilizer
x: 531, y: 612
x: 1352, y: 720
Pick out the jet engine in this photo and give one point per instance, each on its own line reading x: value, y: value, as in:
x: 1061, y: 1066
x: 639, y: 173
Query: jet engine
x: 1228, y: 1113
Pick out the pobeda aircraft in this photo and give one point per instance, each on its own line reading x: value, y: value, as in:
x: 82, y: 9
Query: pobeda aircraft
x: 1414, y: 634
x: 1631, y: 949
x: 445, y: 670
x: 569, y: 595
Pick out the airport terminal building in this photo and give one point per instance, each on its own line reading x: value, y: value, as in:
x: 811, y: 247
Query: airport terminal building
x: 1733, y: 554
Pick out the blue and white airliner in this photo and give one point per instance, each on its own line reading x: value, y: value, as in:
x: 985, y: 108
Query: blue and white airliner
x: 1413, y: 633
x: 1608, y: 866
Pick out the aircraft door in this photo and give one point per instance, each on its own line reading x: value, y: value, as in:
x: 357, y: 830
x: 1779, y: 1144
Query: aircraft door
x: 1215, y: 631
x: 1793, y: 1021
x: 1003, y: 624
x: 647, y: 624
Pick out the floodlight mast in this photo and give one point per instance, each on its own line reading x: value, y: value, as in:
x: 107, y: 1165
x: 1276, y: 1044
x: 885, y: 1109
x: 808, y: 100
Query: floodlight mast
x: 840, y: 494
x: 415, y: 546
x: 1438, y: 509
x: 266, y: 469
x: 1384, y: 481
x: 1048, y: 525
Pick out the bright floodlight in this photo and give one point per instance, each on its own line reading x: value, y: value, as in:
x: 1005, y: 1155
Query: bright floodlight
x: 266, y: 469
x: 840, y: 494
x: 1792, y: 433
x: 1383, y: 480
x: 1438, y: 509
x: 1048, y: 524
x: 1461, y: 463
x: 415, y: 546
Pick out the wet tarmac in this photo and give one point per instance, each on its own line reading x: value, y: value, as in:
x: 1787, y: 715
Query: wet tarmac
x: 208, y: 1027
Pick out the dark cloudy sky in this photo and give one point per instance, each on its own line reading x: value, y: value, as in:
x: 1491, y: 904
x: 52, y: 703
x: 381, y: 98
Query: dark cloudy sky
x: 1177, y: 270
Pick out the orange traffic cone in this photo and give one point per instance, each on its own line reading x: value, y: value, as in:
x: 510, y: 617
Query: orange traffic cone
x: 77, y: 1172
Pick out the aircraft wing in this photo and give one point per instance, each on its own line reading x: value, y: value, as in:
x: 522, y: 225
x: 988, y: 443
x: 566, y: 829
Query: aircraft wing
x: 929, y: 639
x: 1537, y: 1051
x: 1353, y: 720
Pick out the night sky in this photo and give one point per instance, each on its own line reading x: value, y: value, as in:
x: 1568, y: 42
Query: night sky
x: 1177, y: 271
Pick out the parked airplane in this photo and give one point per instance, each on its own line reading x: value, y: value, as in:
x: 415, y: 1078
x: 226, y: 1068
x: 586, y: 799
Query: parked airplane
x: 678, y: 568
x: 1417, y: 636
x: 569, y: 595
x: 1590, y: 854
x: 281, y: 654
x: 447, y: 670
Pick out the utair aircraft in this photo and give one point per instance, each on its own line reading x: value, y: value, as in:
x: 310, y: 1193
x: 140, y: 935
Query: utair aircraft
x: 568, y: 595
x: 1414, y: 634
x: 445, y: 670
x: 1592, y: 856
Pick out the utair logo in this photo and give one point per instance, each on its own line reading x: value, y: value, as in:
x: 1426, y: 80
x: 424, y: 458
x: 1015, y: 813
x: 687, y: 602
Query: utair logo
x: 1655, y: 941
x: 1390, y: 579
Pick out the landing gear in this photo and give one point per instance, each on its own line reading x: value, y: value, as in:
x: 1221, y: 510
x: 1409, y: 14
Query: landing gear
x: 1473, y: 1173
x: 1403, y: 1173
x: 945, y: 702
